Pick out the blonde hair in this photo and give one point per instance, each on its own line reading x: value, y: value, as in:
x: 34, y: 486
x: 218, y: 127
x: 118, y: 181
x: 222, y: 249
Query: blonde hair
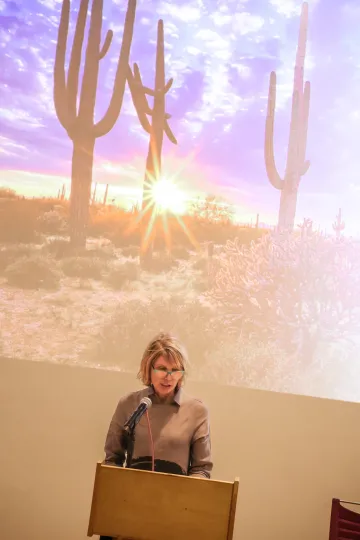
x: 168, y: 347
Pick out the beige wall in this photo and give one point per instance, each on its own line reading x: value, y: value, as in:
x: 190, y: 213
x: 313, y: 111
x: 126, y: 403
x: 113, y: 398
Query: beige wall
x: 292, y: 453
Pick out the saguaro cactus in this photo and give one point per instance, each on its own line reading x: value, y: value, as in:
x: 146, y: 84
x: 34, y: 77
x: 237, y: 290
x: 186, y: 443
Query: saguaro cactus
x: 338, y: 225
x: 78, y: 121
x: 306, y: 227
x: 158, y: 124
x: 296, y: 165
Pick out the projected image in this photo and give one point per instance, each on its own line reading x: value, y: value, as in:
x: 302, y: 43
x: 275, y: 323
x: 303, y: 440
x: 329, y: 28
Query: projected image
x: 183, y: 166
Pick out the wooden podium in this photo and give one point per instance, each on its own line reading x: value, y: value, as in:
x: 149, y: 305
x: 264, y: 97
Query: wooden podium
x: 143, y: 505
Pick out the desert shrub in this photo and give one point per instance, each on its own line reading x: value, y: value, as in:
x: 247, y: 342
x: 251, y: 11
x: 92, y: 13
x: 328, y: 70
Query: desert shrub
x: 240, y: 361
x: 125, y: 237
x: 131, y: 251
x: 52, y: 222
x: 105, y: 253
x: 8, y: 193
x: 292, y: 291
x: 123, y: 340
x: 116, y: 224
x: 18, y: 221
x: 104, y: 220
x: 19, y: 218
x: 83, y: 267
x: 201, y: 284
x: 34, y: 272
x: 159, y: 262
x: 11, y: 253
x: 201, y: 263
x: 121, y: 274
x: 59, y: 248
x: 212, y: 220
x: 247, y: 235
x: 180, y: 252
x: 219, y: 233
x: 208, y: 268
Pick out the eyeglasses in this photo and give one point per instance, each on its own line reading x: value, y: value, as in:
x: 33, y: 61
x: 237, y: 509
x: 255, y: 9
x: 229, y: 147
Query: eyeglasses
x: 163, y: 372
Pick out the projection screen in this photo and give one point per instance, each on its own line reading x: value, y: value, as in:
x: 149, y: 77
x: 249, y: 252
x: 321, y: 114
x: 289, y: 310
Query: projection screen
x: 184, y: 166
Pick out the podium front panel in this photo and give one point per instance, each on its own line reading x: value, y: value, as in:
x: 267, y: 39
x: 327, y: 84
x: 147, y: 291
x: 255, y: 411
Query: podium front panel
x: 143, y: 505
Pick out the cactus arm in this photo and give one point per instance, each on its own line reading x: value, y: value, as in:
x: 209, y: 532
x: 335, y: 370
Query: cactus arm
x: 60, y: 91
x: 75, y: 62
x: 154, y: 93
x: 113, y: 111
x: 306, y: 163
x: 138, y: 93
x: 139, y: 100
x: 301, y: 48
x: 105, y: 48
x: 91, y: 68
x: 149, y: 91
x: 305, y: 167
x: 271, y: 169
x: 169, y: 133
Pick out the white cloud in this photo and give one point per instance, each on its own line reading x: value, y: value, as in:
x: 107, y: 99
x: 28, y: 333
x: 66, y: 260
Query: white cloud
x: 50, y: 4
x: 245, y: 23
x: 288, y: 8
x: 187, y: 13
x: 208, y: 42
x: 9, y: 147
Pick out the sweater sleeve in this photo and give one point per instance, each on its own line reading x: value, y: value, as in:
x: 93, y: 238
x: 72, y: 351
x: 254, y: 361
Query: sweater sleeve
x: 200, y: 451
x: 114, y: 450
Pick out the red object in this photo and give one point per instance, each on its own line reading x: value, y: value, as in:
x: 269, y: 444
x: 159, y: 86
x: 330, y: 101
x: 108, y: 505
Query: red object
x: 151, y: 441
x: 344, y: 523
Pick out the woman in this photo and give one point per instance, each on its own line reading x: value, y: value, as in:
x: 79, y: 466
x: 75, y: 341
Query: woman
x: 179, y: 424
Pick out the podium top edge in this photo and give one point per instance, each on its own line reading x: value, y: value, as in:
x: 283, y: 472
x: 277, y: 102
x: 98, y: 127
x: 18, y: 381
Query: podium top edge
x: 141, y: 471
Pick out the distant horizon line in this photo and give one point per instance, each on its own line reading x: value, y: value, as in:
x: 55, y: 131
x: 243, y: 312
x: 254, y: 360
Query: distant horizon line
x: 129, y: 208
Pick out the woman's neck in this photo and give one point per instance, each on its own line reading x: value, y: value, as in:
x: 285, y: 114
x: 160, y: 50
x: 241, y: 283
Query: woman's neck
x: 164, y: 400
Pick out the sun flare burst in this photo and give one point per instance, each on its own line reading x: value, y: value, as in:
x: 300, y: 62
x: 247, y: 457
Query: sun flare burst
x: 168, y: 197
x: 162, y: 198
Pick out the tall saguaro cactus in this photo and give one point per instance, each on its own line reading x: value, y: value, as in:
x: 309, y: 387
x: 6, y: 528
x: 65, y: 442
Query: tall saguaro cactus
x: 296, y: 165
x: 75, y: 109
x: 158, y: 124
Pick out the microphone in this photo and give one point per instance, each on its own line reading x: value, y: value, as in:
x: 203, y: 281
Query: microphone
x: 145, y: 403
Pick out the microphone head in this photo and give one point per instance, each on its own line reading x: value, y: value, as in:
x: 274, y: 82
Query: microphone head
x: 147, y: 401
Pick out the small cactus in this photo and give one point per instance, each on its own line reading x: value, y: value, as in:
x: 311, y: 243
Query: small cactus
x: 106, y: 194
x: 306, y: 227
x: 338, y: 224
x: 93, y: 198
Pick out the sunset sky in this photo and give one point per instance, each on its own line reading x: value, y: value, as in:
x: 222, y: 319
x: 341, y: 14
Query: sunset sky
x: 220, y: 53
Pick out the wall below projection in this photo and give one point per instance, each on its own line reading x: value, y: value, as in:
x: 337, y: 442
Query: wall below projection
x: 292, y: 453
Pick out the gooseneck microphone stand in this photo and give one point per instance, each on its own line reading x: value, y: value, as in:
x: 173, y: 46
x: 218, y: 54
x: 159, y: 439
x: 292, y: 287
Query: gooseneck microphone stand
x: 128, y: 443
x: 128, y: 432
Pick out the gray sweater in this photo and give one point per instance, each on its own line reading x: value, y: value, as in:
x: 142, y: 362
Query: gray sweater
x: 180, y: 430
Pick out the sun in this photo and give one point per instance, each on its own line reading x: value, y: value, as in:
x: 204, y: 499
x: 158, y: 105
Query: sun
x: 162, y: 199
x: 167, y: 197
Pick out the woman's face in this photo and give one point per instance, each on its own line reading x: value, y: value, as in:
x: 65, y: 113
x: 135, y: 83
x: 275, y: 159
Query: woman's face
x: 165, y: 376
